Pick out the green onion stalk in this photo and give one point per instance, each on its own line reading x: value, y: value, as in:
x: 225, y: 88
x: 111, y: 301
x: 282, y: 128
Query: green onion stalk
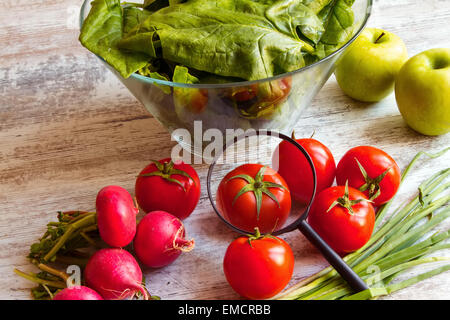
x: 402, y: 241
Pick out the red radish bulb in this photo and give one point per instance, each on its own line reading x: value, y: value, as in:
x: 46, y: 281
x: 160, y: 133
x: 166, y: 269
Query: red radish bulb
x: 115, y: 274
x: 77, y: 293
x: 160, y: 239
x: 116, y: 216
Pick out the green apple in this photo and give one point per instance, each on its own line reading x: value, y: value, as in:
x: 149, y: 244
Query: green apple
x: 367, y: 70
x: 422, y: 91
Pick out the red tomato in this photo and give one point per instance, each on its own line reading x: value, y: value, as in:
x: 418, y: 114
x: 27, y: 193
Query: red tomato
x: 295, y: 169
x: 377, y: 174
x: 253, y: 195
x: 261, y: 100
x: 199, y: 100
x: 281, y: 89
x: 343, y: 218
x: 190, y: 99
x: 165, y: 186
x: 259, y: 269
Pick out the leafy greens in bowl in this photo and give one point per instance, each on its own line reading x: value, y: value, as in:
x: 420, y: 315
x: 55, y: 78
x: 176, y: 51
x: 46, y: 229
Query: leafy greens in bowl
x: 226, y: 65
x: 219, y: 41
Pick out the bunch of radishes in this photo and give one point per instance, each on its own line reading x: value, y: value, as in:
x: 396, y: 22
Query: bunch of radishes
x: 158, y: 239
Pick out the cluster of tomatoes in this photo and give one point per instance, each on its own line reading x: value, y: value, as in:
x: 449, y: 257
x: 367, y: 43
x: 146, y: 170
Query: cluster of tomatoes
x: 256, y: 197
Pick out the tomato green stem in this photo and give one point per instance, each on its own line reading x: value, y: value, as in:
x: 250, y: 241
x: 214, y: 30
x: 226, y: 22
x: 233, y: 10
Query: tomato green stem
x: 345, y: 201
x: 393, y: 248
x: 383, y: 210
x: 257, y: 235
x: 258, y: 186
x: 371, y: 184
x: 166, y: 171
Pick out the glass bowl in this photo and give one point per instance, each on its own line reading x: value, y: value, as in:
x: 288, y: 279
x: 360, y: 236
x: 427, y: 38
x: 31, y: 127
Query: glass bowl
x: 194, y: 113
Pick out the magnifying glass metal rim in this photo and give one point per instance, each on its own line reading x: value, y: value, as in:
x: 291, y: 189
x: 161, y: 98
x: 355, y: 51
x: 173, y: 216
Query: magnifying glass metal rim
x: 355, y: 282
x: 292, y: 226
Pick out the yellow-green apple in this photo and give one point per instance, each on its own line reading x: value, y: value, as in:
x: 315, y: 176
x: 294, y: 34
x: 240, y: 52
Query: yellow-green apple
x: 422, y: 91
x: 368, y: 68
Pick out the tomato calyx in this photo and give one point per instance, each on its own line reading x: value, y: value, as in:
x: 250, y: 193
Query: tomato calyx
x: 165, y: 171
x: 345, y: 201
x: 258, y: 187
x: 258, y: 236
x: 371, y: 184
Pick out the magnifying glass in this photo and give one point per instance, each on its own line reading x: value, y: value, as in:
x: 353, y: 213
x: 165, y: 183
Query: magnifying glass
x: 244, y: 161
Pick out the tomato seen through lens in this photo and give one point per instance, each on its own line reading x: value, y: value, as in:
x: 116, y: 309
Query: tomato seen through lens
x: 253, y: 195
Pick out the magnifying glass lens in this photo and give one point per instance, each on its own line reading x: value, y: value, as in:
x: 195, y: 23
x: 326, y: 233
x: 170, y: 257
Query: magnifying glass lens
x: 264, y: 180
x: 267, y: 180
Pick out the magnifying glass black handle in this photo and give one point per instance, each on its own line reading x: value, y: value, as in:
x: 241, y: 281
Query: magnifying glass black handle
x: 333, y: 258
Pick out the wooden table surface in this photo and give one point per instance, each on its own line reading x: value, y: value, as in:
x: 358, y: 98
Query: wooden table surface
x: 68, y: 127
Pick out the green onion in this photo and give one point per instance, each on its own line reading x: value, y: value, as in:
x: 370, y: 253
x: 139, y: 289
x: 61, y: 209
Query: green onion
x: 399, y: 243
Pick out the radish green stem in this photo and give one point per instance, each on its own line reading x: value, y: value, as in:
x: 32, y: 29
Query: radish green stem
x: 35, y: 279
x: 85, y: 221
x: 48, y: 291
x: 53, y: 271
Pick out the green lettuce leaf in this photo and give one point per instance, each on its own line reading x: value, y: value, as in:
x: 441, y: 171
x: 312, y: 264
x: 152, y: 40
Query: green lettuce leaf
x: 103, y: 29
x: 292, y: 17
x: 221, y: 39
x: 150, y: 71
x: 181, y: 75
x: 133, y: 16
x: 231, y: 38
x: 338, y: 19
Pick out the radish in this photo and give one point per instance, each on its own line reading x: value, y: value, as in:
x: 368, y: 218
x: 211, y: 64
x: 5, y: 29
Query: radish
x: 116, y: 216
x: 77, y: 293
x: 160, y: 239
x: 115, y: 274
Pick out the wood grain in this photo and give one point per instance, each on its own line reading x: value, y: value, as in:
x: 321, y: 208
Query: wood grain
x: 68, y: 127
